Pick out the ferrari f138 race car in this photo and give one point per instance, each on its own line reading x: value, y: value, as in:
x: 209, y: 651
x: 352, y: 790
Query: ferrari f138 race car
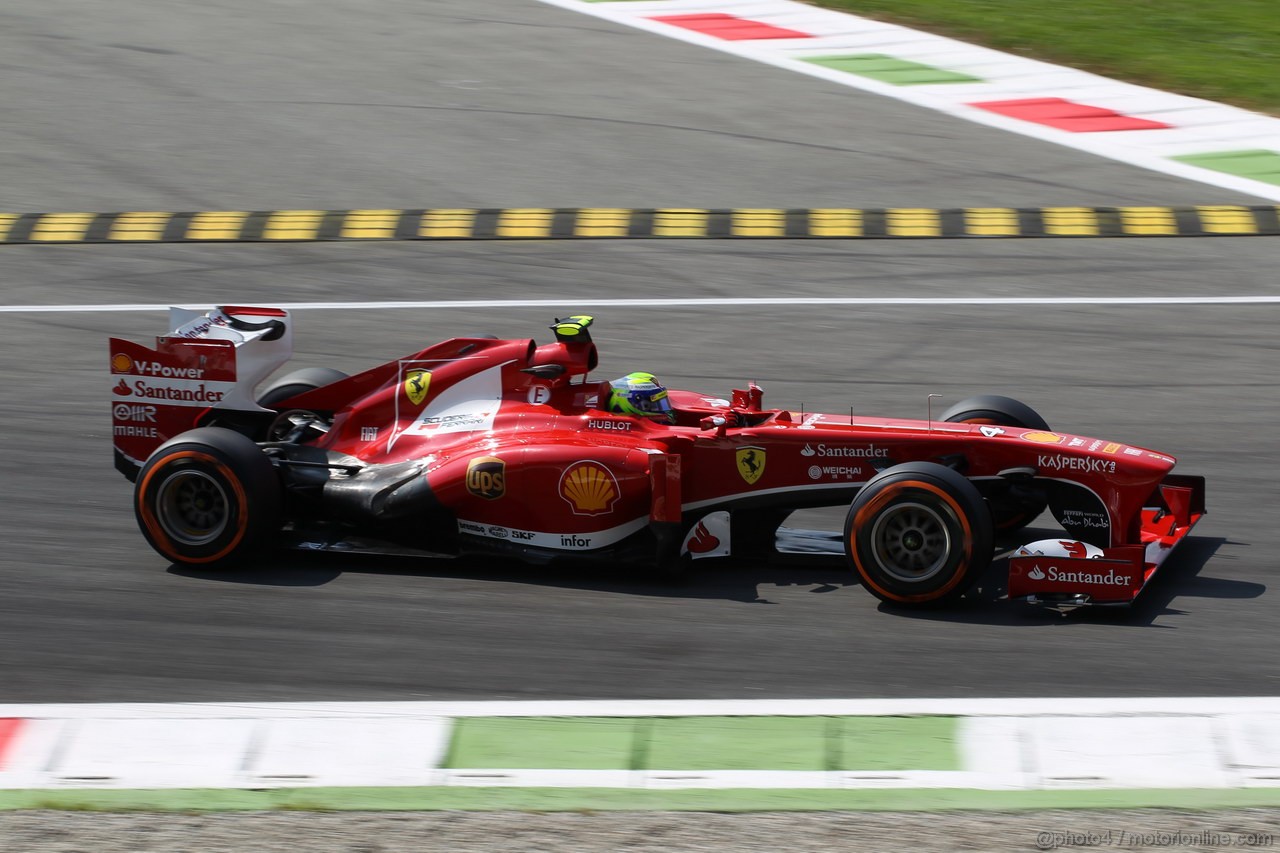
x: 476, y: 445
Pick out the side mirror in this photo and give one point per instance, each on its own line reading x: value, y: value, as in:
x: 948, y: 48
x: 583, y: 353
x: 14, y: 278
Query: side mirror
x: 751, y: 399
x: 719, y: 423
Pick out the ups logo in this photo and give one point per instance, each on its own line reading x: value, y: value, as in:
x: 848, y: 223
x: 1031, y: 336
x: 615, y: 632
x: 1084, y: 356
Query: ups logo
x: 487, y: 477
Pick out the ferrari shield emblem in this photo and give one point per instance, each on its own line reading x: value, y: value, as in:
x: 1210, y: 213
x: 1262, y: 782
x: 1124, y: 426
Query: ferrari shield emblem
x: 751, y: 463
x: 416, y: 383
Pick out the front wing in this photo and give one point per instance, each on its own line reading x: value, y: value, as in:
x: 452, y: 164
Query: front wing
x: 1122, y: 572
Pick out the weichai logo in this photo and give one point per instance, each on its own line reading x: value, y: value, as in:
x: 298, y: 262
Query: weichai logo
x: 487, y: 477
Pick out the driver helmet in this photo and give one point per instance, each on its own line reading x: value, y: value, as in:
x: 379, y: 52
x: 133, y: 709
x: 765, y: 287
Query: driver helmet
x: 640, y: 395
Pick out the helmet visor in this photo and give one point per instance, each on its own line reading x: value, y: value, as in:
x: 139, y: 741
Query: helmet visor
x: 651, y: 401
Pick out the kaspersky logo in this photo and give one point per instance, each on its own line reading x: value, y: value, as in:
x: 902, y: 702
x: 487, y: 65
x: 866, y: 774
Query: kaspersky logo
x: 416, y: 385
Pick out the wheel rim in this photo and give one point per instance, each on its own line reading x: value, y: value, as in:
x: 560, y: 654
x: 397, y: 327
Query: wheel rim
x: 911, y: 542
x: 192, y: 507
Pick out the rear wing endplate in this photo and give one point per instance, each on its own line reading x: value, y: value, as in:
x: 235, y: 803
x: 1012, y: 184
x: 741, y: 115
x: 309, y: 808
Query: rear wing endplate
x: 209, y: 359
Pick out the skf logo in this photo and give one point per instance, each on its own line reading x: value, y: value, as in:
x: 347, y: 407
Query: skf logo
x: 751, y: 463
x: 487, y: 477
x: 590, y: 488
x: 416, y: 383
x: 121, y: 363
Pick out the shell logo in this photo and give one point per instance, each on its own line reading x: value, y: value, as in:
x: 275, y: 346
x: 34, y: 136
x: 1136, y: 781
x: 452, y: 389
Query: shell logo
x: 121, y: 363
x: 1043, y: 437
x: 590, y: 488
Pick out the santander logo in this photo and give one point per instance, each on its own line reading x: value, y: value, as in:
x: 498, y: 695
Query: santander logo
x: 702, y: 540
x: 1093, y: 578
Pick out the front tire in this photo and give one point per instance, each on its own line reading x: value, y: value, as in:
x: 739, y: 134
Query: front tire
x: 207, y: 498
x: 918, y: 535
x: 1013, y: 505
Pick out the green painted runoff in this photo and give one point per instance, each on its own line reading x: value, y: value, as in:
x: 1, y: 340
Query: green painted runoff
x: 704, y: 743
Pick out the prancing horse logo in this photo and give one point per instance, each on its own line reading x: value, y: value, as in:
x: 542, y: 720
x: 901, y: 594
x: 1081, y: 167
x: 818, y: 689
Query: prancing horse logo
x: 751, y: 463
x: 416, y: 383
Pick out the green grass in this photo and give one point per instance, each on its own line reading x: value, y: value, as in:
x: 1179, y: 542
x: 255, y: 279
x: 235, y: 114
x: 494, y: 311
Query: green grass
x: 1223, y: 50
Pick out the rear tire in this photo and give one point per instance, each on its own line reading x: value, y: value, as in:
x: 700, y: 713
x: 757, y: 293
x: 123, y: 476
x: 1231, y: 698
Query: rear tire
x: 1013, y: 505
x: 207, y: 498
x: 918, y: 535
x: 298, y: 382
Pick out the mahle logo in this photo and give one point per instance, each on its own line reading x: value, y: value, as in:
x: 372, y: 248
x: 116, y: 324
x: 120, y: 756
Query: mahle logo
x: 416, y: 384
x: 487, y: 477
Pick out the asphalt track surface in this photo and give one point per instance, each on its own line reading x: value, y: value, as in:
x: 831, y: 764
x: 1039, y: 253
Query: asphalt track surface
x: 243, y: 105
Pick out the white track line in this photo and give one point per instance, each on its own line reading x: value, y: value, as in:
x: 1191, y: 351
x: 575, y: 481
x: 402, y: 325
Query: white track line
x: 581, y: 301
x: 1046, y: 744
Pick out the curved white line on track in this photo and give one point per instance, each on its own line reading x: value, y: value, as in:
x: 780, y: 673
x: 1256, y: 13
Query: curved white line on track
x: 580, y: 301
x: 1216, y: 127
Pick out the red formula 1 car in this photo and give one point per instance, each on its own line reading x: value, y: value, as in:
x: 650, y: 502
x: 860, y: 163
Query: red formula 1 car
x: 483, y: 446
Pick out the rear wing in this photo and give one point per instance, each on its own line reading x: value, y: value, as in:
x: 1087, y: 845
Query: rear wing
x: 209, y: 360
